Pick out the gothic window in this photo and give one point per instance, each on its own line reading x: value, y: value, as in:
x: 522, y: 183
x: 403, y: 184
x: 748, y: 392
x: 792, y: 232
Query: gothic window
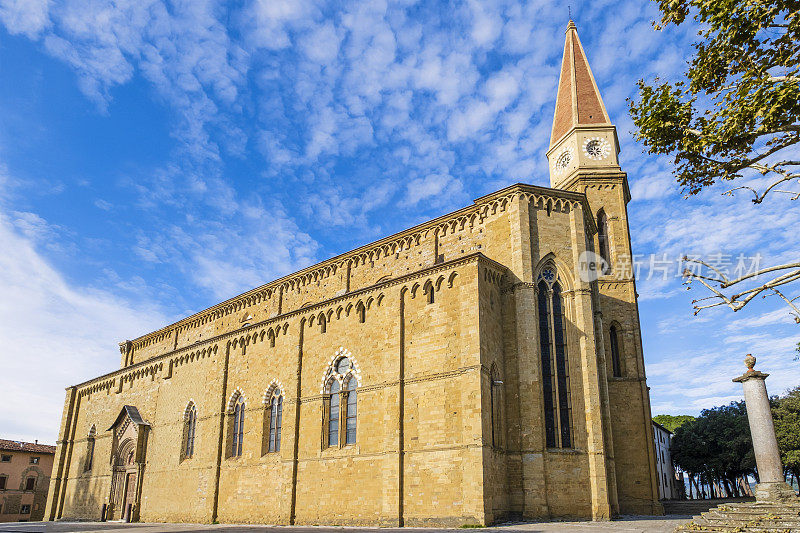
x: 351, y: 410
x: 341, y: 404
x: 275, y: 421
x: 90, y: 449
x: 238, y: 428
x: 602, y: 239
x: 189, y: 428
x: 333, y: 414
x: 555, y: 364
x: 614, y: 344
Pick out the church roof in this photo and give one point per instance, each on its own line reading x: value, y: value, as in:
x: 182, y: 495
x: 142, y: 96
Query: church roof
x: 578, y: 100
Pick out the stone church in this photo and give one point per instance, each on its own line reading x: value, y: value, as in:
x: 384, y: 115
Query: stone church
x: 468, y: 370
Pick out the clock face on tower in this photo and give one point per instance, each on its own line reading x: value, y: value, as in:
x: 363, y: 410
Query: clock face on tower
x: 596, y: 148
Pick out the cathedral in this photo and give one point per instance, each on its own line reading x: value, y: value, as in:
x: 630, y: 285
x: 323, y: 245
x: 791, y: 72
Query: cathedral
x: 482, y: 366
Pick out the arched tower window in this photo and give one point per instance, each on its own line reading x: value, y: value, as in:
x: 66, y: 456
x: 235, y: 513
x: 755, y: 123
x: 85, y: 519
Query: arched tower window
x: 341, y: 404
x: 189, y: 427
x: 602, y: 239
x: 275, y: 421
x: 90, y: 448
x: 616, y: 370
x: 238, y: 427
x: 555, y: 364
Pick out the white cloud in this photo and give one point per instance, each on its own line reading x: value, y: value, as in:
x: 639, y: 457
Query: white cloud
x: 435, y: 188
x: 54, y: 333
x: 27, y: 17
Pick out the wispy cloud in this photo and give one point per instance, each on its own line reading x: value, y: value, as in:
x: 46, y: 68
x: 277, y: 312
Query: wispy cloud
x: 53, y: 331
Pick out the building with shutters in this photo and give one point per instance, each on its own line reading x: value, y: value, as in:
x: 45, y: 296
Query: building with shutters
x: 24, y: 479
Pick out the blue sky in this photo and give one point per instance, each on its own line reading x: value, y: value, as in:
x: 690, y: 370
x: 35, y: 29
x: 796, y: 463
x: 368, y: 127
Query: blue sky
x: 158, y: 157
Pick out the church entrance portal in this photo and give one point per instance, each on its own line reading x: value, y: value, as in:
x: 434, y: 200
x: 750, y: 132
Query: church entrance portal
x: 127, y: 464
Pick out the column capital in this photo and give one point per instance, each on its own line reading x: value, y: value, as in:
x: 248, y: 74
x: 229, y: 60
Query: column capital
x: 751, y: 374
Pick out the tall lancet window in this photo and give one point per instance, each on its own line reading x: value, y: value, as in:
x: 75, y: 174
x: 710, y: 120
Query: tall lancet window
x: 275, y: 422
x: 351, y: 410
x: 238, y: 428
x: 602, y: 239
x: 189, y: 427
x: 333, y: 414
x: 90, y: 448
x: 616, y: 370
x: 555, y: 364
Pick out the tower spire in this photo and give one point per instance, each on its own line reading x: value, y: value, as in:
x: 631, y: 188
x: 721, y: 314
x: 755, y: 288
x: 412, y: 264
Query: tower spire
x: 583, y: 140
x: 578, y: 100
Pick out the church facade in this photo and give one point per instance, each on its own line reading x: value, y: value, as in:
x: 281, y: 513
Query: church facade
x: 465, y: 371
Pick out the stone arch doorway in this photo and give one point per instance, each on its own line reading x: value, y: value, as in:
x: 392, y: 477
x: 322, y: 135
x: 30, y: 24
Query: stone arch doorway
x: 127, y: 465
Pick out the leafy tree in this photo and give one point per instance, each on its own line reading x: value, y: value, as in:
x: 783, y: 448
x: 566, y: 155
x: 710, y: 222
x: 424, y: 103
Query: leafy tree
x: 786, y: 414
x: 716, y: 446
x: 735, y: 114
x: 672, y: 422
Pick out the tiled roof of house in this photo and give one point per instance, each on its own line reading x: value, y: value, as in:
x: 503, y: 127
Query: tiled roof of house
x: 19, y: 446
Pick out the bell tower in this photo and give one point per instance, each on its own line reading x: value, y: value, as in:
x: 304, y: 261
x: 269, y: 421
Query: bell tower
x: 583, y: 157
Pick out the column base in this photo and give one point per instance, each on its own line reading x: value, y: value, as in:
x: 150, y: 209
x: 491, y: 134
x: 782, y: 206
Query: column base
x: 775, y: 492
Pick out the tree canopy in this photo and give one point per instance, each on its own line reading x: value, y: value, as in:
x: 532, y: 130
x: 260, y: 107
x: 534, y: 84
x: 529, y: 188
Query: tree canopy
x: 740, y: 100
x: 786, y: 414
x: 672, y: 422
x: 735, y: 113
x: 716, y: 444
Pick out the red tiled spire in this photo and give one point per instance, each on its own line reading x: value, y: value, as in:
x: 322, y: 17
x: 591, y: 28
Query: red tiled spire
x: 577, y: 101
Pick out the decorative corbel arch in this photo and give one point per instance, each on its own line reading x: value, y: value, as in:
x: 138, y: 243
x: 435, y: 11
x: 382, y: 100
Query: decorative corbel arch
x: 451, y: 279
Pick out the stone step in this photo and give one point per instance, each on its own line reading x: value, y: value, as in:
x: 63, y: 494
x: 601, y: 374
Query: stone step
x: 739, y: 514
x: 778, y: 523
x: 737, y: 528
x: 695, y: 507
x: 741, y: 517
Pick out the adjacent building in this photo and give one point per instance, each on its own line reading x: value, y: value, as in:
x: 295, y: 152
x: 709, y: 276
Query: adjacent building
x: 24, y: 479
x: 666, y: 471
x: 480, y: 366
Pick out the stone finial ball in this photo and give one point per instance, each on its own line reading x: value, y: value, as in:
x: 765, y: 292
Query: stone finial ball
x: 750, y: 361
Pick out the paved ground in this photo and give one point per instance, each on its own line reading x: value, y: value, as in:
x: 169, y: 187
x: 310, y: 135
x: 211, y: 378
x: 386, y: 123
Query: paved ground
x: 632, y: 524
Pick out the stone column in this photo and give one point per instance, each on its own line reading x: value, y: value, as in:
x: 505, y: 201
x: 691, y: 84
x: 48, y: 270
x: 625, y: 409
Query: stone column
x: 772, y: 486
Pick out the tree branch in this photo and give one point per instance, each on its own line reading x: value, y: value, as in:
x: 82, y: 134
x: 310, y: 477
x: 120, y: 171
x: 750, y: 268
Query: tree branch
x: 738, y: 300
